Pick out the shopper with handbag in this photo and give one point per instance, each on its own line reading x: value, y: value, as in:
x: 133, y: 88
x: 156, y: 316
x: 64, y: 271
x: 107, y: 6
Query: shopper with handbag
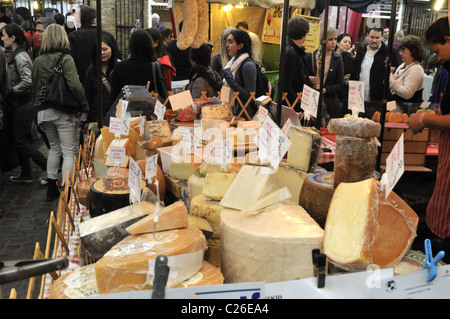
x: 60, y: 120
x: 19, y: 102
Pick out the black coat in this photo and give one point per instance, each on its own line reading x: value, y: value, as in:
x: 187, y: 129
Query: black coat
x: 82, y: 42
x: 295, y: 76
x: 334, y: 84
x: 377, y: 71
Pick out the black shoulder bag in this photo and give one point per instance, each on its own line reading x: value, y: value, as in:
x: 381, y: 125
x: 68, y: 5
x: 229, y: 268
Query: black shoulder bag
x: 158, y: 79
x: 56, y: 93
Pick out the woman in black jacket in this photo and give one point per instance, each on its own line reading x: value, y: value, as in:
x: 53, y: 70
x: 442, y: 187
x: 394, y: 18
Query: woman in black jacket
x: 333, y: 76
x: 137, y: 69
x: 295, y: 76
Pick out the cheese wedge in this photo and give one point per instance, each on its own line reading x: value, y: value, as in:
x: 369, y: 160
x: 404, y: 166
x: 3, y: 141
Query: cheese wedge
x: 125, y: 143
x: 170, y: 217
x: 217, y: 184
x: 249, y: 185
x: 128, y: 264
x: 277, y: 196
x: 305, y: 147
x: 183, y: 167
x: 158, y: 129
x: 208, y: 209
x: 292, y: 178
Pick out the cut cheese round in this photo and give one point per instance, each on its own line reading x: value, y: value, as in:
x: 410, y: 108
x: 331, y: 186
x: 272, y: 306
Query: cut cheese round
x: 364, y: 228
x: 212, y: 254
x: 316, y: 195
x: 128, y: 265
x: 108, y: 194
x: 355, y: 159
x: 354, y: 126
x: 274, y: 245
x: 76, y: 284
x: 209, y: 209
x: 207, y: 276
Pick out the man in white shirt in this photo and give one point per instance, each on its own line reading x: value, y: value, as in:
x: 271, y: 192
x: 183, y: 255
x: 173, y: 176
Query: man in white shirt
x: 257, y: 47
x: 386, y: 35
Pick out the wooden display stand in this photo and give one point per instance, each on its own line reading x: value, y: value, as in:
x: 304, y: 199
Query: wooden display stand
x: 415, y: 145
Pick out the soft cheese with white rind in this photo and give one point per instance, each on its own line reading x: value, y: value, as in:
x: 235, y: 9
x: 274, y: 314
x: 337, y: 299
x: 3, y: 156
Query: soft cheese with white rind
x: 274, y: 245
x: 249, y: 185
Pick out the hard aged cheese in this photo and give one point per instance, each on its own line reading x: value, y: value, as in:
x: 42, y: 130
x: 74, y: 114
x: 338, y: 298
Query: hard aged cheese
x: 209, y: 209
x: 274, y: 197
x: 291, y: 178
x: 305, y: 148
x: 217, y: 184
x: 79, y: 283
x: 249, y: 185
x: 354, y: 126
x: 170, y: 217
x: 363, y: 228
x: 127, y: 266
x: 158, y: 129
x: 100, y: 233
x: 274, y: 245
x: 183, y: 167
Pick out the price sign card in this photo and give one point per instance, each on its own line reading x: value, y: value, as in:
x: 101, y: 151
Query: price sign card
x: 134, y: 181
x: 310, y: 100
x: 272, y: 143
x: 395, y: 166
x: 356, y: 96
x: 151, y: 164
x: 117, y: 155
x: 119, y: 126
x: 287, y: 127
x: 262, y: 113
x: 121, y: 108
x: 186, y: 139
x: 160, y: 109
x: 181, y: 100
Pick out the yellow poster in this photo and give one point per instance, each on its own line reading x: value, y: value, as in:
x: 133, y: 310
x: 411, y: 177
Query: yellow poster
x: 312, y: 40
x: 272, y: 25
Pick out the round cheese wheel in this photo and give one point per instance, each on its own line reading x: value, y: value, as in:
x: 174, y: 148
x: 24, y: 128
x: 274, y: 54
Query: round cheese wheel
x: 126, y: 266
x: 274, y: 245
x: 83, y: 188
x: 108, y: 194
x: 354, y: 126
x: 316, y: 194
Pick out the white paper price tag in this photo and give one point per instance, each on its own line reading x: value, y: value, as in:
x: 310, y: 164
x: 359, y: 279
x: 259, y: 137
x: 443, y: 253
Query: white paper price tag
x: 119, y: 126
x: 395, y: 167
x: 262, y: 113
x: 310, y: 100
x: 186, y: 138
x: 134, y: 181
x: 117, y: 155
x: 356, y: 96
x: 160, y: 109
x: 141, y: 126
x: 151, y: 164
x: 287, y: 127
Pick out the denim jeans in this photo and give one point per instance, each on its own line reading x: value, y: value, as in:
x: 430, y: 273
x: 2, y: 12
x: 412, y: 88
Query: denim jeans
x: 22, y: 118
x: 63, y: 139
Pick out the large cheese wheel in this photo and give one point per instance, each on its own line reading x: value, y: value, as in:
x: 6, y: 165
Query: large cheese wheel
x: 108, y: 194
x: 363, y: 228
x: 126, y: 266
x: 355, y: 158
x: 316, y: 195
x: 274, y: 245
x: 354, y: 126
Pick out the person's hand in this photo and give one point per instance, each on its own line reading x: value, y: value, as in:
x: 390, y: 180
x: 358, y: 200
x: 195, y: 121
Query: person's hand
x: 313, y: 80
x: 416, y: 122
x: 227, y: 74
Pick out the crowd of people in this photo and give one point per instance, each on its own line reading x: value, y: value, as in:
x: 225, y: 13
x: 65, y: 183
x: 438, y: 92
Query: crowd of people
x: 30, y: 53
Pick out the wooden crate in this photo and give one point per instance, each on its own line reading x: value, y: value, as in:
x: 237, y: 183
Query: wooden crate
x: 415, y: 145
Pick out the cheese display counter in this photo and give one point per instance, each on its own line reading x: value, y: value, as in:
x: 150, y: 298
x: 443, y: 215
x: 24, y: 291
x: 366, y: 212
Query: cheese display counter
x: 239, y: 221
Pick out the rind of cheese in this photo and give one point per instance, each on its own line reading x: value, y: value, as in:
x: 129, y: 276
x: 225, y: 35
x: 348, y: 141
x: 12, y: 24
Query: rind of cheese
x: 249, y: 185
x: 355, y: 158
x: 170, y: 217
x: 158, y: 128
x: 305, y: 148
x: 274, y: 245
x: 352, y: 226
x: 315, y: 197
x: 217, y: 184
x: 208, y: 209
x: 354, y: 126
x: 126, y: 266
x: 291, y: 178
x: 76, y: 284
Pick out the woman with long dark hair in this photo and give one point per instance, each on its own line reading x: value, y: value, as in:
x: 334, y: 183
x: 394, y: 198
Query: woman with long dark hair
x: 19, y: 101
x: 240, y: 72
x: 109, y: 57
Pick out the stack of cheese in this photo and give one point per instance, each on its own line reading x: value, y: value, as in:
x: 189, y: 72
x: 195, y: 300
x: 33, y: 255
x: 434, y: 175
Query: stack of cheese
x: 363, y: 227
x: 127, y: 247
x: 356, y: 148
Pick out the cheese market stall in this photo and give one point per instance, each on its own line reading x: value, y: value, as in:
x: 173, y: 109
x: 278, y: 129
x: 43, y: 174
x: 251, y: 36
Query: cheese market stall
x: 224, y: 201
